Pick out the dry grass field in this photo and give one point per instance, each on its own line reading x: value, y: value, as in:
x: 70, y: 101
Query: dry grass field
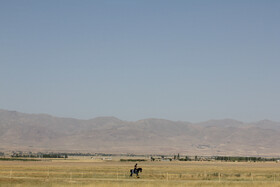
x: 87, y: 172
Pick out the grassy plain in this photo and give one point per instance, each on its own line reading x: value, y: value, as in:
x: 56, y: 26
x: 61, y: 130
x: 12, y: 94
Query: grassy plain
x: 94, y: 172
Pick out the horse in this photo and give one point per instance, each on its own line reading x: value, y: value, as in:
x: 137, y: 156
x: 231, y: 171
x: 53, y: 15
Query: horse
x: 132, y: 171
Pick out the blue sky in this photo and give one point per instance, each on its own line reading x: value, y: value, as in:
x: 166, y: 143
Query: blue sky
x: 178, y: 60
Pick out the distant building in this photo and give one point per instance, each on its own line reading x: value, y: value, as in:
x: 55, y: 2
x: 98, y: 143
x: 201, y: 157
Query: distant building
x: 107, y: 158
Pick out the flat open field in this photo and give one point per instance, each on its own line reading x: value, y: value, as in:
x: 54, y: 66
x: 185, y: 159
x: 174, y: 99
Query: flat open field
x: 87, y: 172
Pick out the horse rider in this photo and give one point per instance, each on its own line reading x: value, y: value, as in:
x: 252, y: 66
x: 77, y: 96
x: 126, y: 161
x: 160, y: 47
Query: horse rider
x: 135, y: 168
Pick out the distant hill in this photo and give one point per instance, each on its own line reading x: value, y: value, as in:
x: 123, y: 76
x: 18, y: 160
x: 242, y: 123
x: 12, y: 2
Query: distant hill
x: 41, y: 132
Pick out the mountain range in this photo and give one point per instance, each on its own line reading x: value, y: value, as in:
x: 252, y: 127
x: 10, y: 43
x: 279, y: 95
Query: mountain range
x: 42, y: 132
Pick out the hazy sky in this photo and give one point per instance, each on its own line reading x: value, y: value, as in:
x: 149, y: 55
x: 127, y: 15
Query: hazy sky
x: 178, y: 60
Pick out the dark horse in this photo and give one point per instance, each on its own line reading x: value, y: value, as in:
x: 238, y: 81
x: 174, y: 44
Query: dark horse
x: 135, y: 171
